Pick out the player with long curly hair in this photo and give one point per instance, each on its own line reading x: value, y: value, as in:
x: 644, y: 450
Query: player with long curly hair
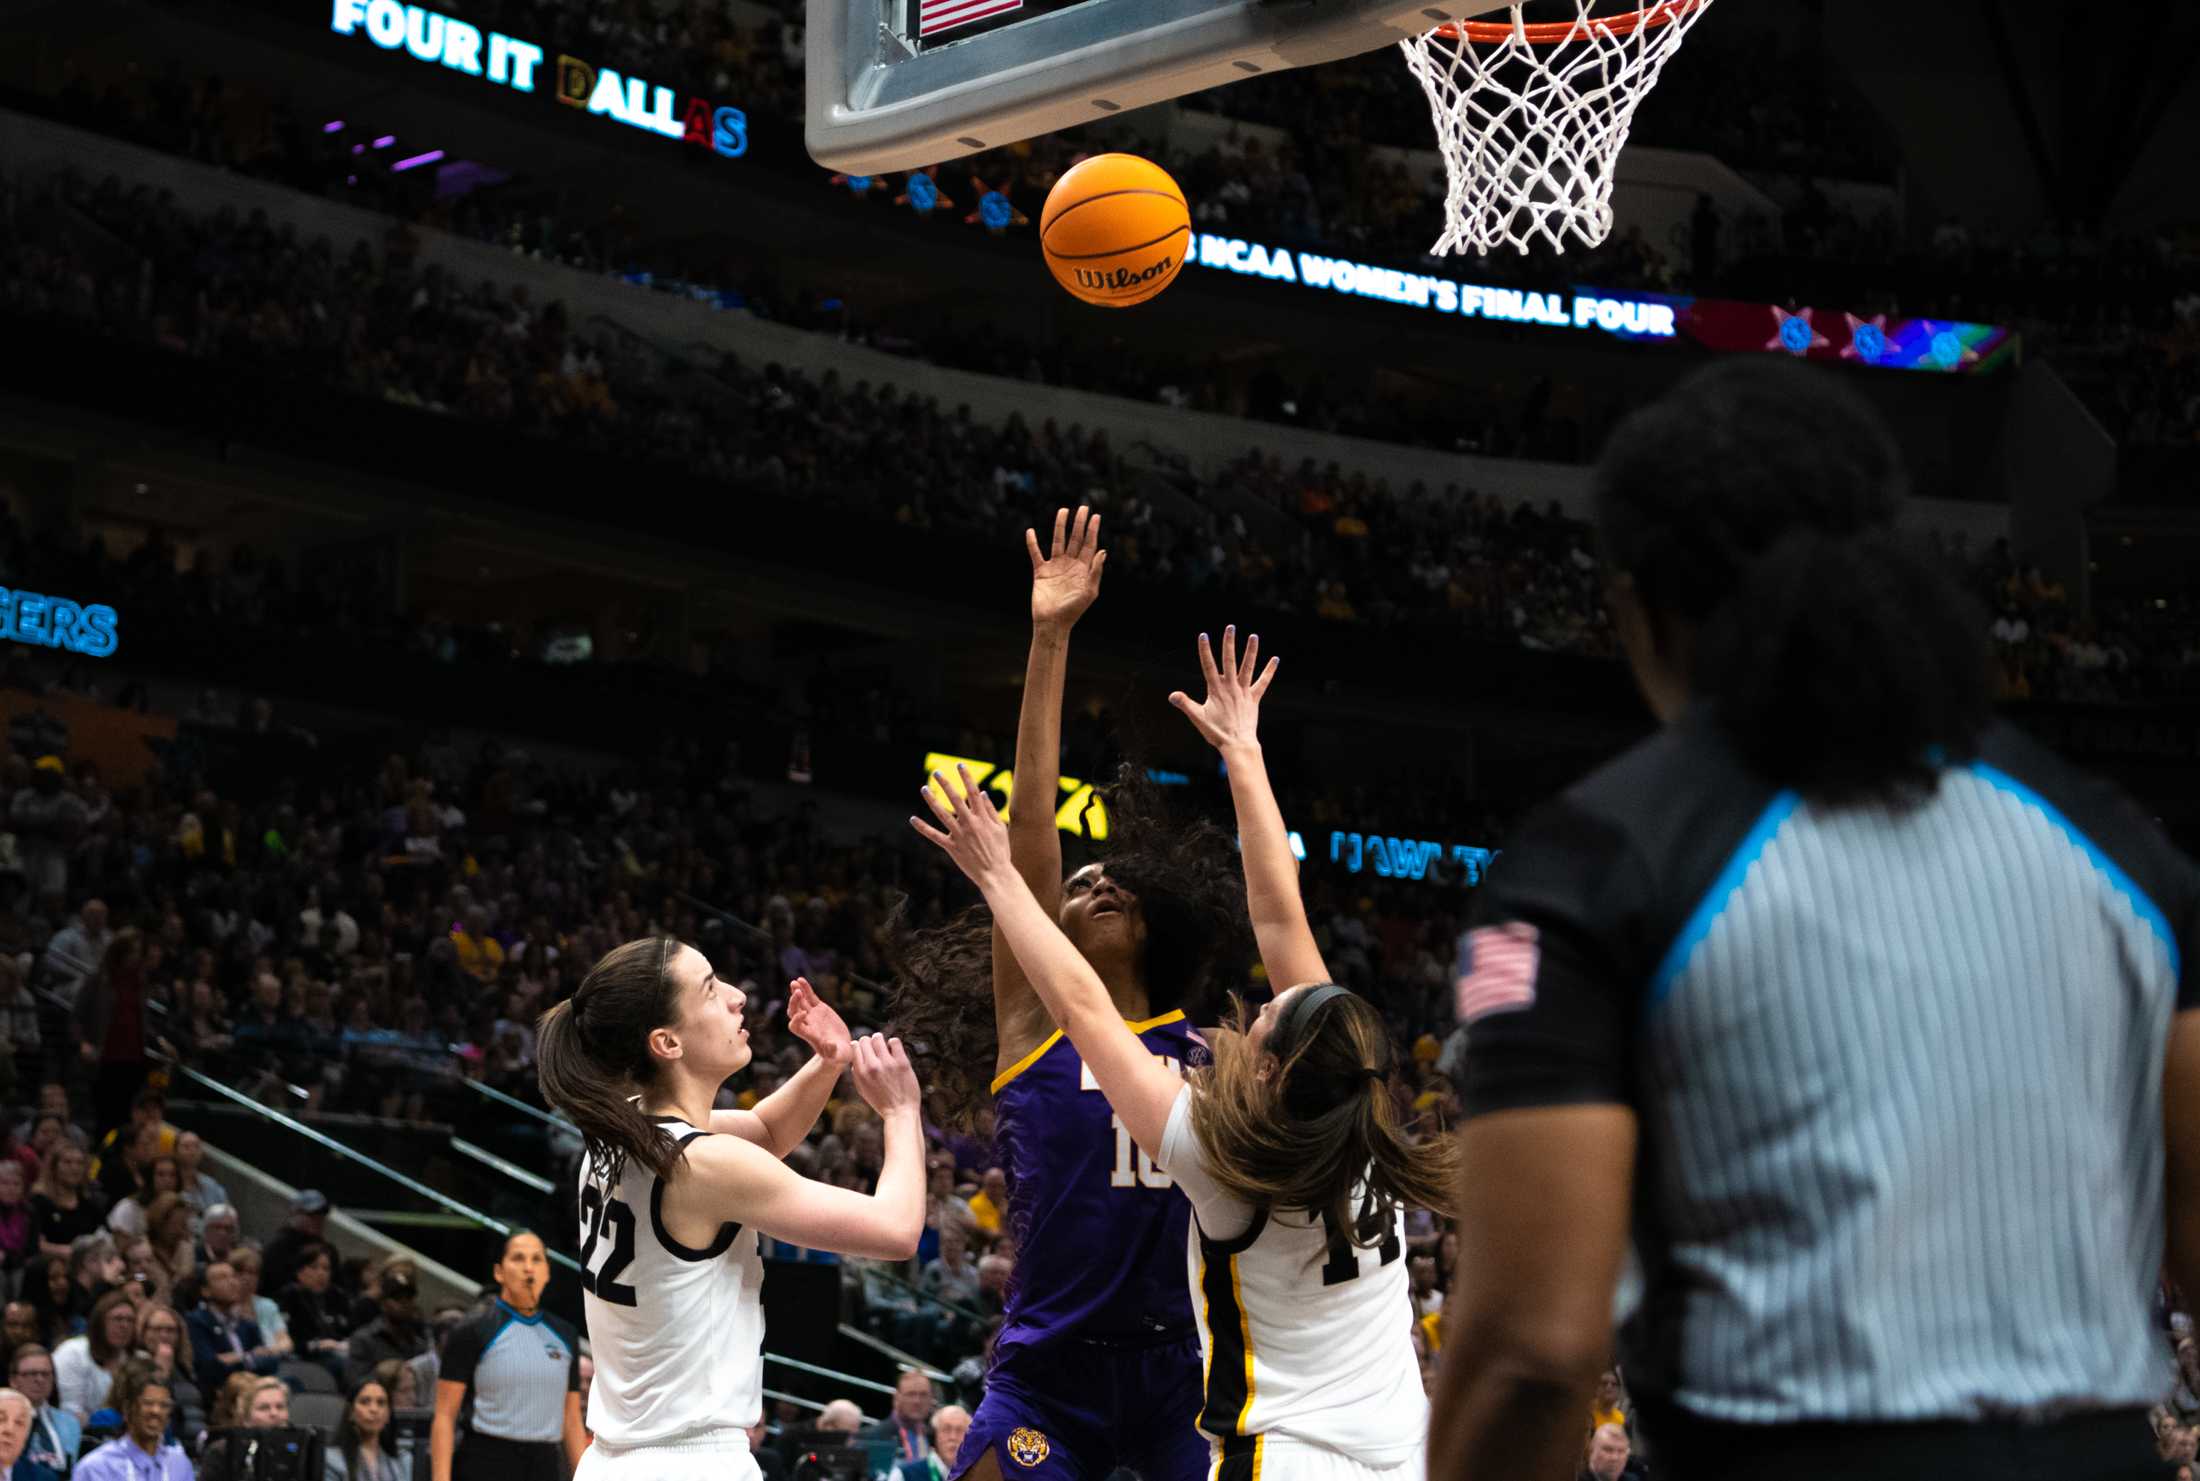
x: 1097, y: 1362
x: 1289, y: 1145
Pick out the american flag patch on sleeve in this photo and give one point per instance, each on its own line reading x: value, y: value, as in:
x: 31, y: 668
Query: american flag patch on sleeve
x: 1497, y: 970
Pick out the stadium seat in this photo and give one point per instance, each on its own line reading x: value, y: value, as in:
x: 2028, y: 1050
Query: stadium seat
x: 306, y: 1378
x: 323, y: 1411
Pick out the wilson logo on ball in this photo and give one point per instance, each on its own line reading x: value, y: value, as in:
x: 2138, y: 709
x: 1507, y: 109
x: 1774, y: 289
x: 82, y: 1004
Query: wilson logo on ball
x: 1121, y: 278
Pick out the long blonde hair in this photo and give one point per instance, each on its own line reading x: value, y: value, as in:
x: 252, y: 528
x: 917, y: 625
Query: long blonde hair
x: 1306, y: 1131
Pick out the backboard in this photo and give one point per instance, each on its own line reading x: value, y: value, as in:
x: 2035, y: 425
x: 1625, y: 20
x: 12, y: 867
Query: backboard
x: 902, y: 84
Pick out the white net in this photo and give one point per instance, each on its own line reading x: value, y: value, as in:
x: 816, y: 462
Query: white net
x: 1531, y: 118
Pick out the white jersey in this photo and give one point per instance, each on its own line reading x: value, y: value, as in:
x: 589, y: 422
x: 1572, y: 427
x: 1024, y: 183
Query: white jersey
x: 1301, y: 1340
x: 677, y: 1332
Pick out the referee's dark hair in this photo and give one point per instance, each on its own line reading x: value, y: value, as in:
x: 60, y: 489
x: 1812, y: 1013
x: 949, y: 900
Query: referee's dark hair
x: 1752, y: 509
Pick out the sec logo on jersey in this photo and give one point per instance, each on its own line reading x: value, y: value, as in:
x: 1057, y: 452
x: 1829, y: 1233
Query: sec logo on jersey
x: 1027, y: 1447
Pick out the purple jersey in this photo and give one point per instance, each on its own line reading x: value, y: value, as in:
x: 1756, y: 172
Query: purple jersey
x: 1099, y: 1229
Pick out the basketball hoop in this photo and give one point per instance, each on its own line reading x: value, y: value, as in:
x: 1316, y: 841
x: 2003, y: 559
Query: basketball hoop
x: 1530, y: 118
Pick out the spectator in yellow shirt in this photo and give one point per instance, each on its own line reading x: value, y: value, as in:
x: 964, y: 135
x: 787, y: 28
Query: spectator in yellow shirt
x: 1610, y: 1404
x: 990, y: 1203
x: 479, y: 953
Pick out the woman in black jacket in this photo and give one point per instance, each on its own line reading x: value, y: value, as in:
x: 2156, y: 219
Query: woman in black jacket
x: 317, y: 1317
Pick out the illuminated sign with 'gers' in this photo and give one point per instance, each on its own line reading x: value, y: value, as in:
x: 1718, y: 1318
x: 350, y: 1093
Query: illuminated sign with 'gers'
x: 56, y: 622
x: 509, y: 62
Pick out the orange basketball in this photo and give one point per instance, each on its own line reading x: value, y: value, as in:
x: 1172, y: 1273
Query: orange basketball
x: 1115, y: 230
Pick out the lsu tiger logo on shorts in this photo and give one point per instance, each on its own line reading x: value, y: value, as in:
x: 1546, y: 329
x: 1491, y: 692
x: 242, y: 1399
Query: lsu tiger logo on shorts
x: 1027, y: 1447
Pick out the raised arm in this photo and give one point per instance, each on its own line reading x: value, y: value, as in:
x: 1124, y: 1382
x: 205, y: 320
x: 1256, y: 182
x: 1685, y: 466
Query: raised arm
x: 1230, y: 722
x: 1137, y: 1084
x: 782, y: 1119
x: 1064, y: 581
x: 732, y: 1179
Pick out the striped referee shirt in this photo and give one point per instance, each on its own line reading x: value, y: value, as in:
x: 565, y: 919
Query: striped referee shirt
x: 1897, y: 1074
x: 518, y: 1370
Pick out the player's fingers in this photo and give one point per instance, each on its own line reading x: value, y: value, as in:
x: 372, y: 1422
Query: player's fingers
x: 1207, y: 664
x: 935, y: 797
x: 1250, y: 665
x: 1099, y: 567
x: 1077, y: 531
x: 1229, y: 649
x: 972, y: 792
x: 1061, y: 529
x: 1092, y: 538
x: 1031, y: 544
x: 1267, y: 677
x: 929, y: 832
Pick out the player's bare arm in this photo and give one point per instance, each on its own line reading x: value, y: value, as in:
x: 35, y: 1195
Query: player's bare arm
x: 1528, y: 1325
x: 1229, y: 720
x: 1139, y: 1085
x: 1065, y: 578
x: 732, y: 1179
x: 782, y: 1119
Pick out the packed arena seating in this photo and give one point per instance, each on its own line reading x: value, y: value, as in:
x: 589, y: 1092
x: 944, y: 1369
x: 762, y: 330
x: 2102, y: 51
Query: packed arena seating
x: 2119, y: 314
x: 219, y: 288
x: 377, y: 937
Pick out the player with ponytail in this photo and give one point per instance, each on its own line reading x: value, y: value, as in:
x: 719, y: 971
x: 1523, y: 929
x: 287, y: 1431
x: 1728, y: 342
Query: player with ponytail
x: 674, y: 1194
x: 1288, y: 1145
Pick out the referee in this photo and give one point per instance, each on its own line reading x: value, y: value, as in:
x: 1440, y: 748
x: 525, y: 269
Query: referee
x: 1875, y: 1026
x: 510, y: 1377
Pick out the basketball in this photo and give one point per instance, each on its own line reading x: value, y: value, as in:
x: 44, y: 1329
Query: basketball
x: 1115, y: 229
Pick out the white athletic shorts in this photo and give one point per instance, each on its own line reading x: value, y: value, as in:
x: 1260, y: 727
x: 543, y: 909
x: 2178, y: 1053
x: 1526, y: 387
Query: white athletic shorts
x: 722, y: 1455
x: 1283, y: 1458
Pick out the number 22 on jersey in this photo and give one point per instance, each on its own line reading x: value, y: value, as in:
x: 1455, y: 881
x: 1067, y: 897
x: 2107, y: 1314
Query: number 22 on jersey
x: 598, y: 1215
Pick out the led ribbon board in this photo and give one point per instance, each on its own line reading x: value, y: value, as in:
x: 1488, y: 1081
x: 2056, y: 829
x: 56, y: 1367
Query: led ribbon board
x: 1942, y: 345
x: 525, y: 67
x: 28, y: 617
x: 1388, y: 857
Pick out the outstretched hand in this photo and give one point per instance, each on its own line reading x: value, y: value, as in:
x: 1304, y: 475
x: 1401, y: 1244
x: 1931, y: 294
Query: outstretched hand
x: 883, y: 1076
x: 813, y: 1020
x: 1230, y: 716
x: 971, y: 831
x: 1065, y: 580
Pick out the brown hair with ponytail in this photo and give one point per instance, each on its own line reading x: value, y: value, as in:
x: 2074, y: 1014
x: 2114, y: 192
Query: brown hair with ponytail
x: 592, y: 1056
x: 1308, y: 1133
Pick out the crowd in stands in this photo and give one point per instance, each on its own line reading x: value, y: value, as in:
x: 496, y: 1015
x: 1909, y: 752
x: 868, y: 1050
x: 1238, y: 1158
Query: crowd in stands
x: 375, y: 938
x: 374, y: 934
x: 145, y: 270
x: 143, y: 1311
x: 2121, y: 312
